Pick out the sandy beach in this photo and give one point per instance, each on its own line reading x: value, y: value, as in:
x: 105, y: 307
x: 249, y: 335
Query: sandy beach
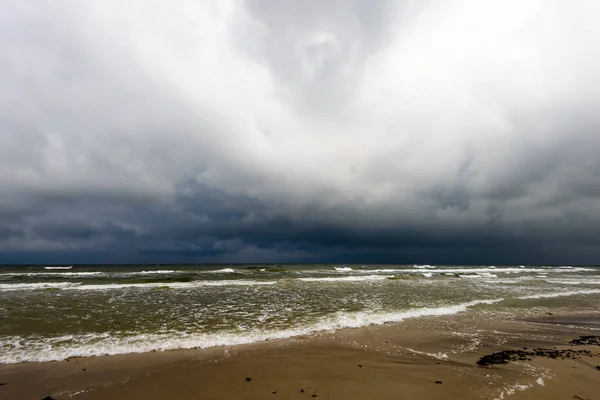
x: 430, y: 357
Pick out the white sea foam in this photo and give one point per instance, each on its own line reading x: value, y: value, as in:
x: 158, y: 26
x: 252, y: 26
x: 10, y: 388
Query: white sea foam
x: 14, y: 349
x: 75, y: 274
x: 174, y: 285
x: 222, y: 271
x: 158, y: 271
x: 427, y: 274
x: 424, y: 266
x: 9, y: 287
x: 510, y: 390
x: 574, y: 281
x: 437, y: 356
x: 362, y: 278
x: 5, y: 287
x: 343, y: 269
x: 53, y: 274
x: 497, y: 270
x: 58, y: 267
x: 81, y: 274
x: 559, y: 294
x: 479, y: 275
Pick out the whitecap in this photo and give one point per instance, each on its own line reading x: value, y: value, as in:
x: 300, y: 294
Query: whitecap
x: 559, y: 294
x: 343, y: 269
x: 222, y: 271
x: 362, y: 278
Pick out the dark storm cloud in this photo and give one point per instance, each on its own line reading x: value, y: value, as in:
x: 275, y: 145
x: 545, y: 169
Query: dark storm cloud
x: 273, y: 131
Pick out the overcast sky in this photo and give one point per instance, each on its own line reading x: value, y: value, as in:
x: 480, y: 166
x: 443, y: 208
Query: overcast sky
x: 300, y: 131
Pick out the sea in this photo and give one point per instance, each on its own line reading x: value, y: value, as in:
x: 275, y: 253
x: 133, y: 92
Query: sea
x: 52, y: 313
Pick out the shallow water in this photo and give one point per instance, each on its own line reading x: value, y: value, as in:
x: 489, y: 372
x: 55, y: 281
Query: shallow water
x: 50, y: 313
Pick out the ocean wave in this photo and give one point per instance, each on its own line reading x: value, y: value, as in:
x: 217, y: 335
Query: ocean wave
x: 479, y: 275
x: 159, y: 271
x: 9, y: 287
x: 52, y: 274
x: 343, y: 269
x: 497, y: 270
x: 5, y: 287
x: 58, y: 267
x: 574, y: 282
x: 73, y: 274
x: 559, y: 294
x: 174, y: 285
x: 221, y: 271
x: 15, y: 349
x: 83, y: 274
x: 360, y: 278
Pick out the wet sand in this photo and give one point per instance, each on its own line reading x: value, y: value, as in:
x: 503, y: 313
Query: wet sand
x: 432, y: 357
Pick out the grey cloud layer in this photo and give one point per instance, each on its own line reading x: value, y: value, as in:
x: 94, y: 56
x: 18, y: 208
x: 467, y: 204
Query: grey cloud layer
x: 299, y: 131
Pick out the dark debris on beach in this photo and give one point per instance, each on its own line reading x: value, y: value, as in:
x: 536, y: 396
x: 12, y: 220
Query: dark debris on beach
x: 586, y: 340
x: 506, y: 356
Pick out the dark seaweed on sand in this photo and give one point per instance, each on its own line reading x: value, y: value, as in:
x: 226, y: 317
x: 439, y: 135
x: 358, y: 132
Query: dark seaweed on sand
x: 506, y: 356
x: 586, y: 340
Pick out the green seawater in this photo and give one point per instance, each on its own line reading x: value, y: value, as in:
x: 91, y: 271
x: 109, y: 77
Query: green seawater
x: 48, y: 314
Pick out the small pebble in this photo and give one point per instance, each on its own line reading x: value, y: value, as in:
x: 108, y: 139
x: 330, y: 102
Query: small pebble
x: 248, y: 379
x: 359, y: 365
x: 301, y: 390
x: 274, y: 392
x: 438, y: 382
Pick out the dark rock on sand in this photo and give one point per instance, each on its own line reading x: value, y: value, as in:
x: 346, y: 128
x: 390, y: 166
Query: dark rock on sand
x: 301, y: 390
x: 359, y: 365
x: 597, y: 367
x: 274, y: 392
x: 587, y: 340
x: 47, y: 398
x: 438, y: 382
x: 248, y: 379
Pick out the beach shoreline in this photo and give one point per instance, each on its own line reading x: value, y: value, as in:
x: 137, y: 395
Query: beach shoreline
x: 398, y: 360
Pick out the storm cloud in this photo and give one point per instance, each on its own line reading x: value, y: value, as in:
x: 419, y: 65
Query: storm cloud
x: 300, y: 131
